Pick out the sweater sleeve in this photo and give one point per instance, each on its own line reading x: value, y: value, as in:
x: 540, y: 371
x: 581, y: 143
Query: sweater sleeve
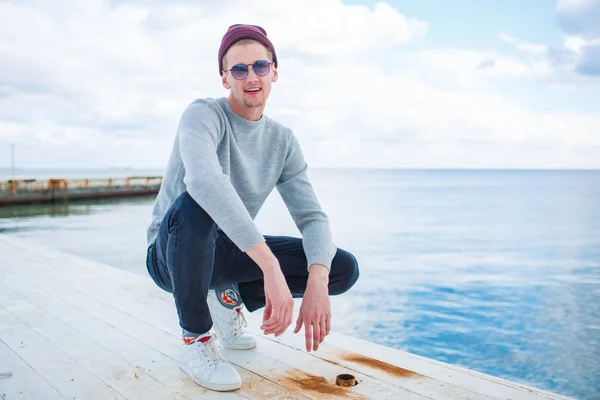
x: 301, y: 201
x: 198, y: 132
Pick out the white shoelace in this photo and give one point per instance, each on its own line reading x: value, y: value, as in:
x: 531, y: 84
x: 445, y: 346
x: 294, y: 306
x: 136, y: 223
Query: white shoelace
x: 210, y: 351
x: 239, y: 323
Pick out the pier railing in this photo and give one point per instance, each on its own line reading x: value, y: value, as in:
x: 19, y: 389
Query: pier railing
x: 16, y: 191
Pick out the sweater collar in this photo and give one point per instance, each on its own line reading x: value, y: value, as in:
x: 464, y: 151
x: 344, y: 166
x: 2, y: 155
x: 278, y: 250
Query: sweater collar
x: 240, y: 121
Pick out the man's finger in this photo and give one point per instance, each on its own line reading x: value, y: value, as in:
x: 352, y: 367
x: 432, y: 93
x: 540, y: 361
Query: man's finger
x: 290, y: 316
x: 298, y: 323
x: 308, y: 335
x: 283, y: 324
x: 316, y: 335
x: 328, y: 324
x: 271, y: 329
x: 267, y: 312
x: 280, y: 324
x: 269, y: 325
x: 323, y: 330
x: 273, y: 320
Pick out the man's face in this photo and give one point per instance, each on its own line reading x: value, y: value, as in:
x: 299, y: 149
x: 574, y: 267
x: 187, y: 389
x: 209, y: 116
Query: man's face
x: 240, y: 89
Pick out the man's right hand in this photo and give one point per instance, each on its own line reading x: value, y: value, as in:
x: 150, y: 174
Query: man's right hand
x: 279, y: 306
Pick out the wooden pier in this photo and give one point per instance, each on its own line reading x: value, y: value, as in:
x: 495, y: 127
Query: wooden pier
x: 74, y: 328
x: 30, y: 191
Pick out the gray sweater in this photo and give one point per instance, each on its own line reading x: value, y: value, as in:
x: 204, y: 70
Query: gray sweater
x: 230, y: 165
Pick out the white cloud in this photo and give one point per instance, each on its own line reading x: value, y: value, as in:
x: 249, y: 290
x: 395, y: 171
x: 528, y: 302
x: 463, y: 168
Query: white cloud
x: 469, y: 67
x: 507, y: 38
x: 578, y: 61
x: 576, y: 5
x: 580, y: 17
x: 534, y: 48
x: 103, y: 84
x: 334, y: 30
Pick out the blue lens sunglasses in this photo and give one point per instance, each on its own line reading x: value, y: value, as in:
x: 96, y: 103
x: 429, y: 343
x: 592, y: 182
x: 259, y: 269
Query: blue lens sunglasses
x: 260, y: 67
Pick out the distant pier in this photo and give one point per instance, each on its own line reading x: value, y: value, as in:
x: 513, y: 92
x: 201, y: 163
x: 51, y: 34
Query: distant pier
x: 32, y: 191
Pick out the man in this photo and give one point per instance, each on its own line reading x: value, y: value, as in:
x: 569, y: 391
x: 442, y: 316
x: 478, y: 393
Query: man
x: 204, y: 246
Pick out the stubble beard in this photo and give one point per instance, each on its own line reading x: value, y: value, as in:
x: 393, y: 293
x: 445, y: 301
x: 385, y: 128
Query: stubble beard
x: 254, y: 103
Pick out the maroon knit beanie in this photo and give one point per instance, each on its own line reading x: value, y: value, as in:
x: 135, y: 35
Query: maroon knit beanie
x: 238, y: 32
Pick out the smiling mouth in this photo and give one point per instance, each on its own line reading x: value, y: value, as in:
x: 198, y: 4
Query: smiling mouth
x: 253, y: 90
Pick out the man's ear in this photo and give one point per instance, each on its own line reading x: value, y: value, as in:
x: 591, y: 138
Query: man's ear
x: 224, y: 80
x: 275, y: 75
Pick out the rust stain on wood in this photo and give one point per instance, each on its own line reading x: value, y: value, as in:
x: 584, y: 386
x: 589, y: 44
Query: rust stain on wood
x: 303, y: 381
x: 377, y: 364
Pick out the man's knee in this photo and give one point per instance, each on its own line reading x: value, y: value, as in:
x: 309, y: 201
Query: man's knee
x: 185, y: 211
x: 344, y: 272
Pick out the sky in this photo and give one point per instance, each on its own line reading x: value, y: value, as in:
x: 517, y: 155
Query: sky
x: 363, y: 84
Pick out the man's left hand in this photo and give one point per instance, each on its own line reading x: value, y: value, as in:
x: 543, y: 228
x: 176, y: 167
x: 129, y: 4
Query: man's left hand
x: 315, y: 311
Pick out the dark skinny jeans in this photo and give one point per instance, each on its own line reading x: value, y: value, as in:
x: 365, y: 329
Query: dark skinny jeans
x: 191, y: 256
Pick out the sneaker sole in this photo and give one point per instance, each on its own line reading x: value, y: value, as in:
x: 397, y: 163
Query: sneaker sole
x: 240, y: 346
x: 218, y: 387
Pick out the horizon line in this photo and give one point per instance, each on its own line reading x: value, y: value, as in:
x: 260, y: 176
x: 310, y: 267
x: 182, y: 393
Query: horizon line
x: 75, y: 169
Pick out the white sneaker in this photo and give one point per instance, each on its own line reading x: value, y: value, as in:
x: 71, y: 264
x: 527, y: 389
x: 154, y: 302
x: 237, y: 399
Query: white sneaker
x: 229, y: 323
x: 204, y: 364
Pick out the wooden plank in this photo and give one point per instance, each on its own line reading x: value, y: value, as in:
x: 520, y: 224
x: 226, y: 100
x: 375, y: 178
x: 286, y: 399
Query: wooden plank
x: 124, y: 377
x: 109, y: 285
x: 478, y: 382
x: 62, y: 372
x: 16, y: 254
x: 116, y: 295
x: 161, y: 310
x: 298, y: 379
x: 16, y: 246
x: 254, y: 386
x: 155, y: 307
x: 138, y: 345
x: 312, y: 375
x: 85, y: 273
x: 25, y: 382
x: 394, y: 372
x: 124, y: 301
x: 383, y: 372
